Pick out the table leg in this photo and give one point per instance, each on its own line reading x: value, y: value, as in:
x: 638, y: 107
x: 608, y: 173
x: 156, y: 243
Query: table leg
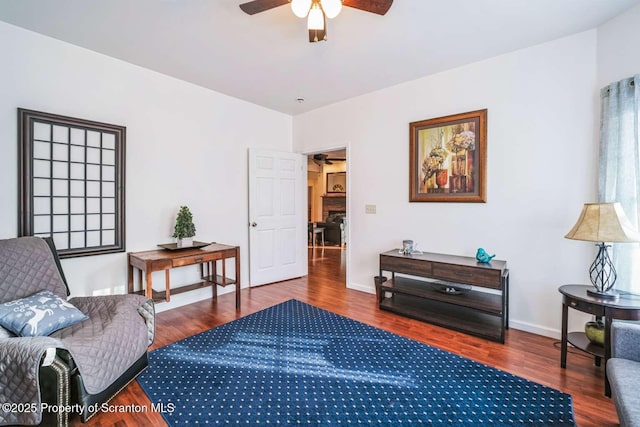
x: 237, y: 279
x: 607, y: 352
x: 506, y: 304
x: 224, y: 272
x: 563, y: 345
x: 214, y: 277
x: 167, y: 285
x: 130, y: 279
x: 149, y: 291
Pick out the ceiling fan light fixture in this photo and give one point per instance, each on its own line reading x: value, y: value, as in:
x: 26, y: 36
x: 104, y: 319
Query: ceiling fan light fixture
x: 317, y: 11
x: 331, y: 8
x: 316, y: 18
x: 300, y: 8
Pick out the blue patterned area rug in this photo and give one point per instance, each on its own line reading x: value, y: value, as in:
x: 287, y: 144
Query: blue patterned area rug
x: 297, y: 364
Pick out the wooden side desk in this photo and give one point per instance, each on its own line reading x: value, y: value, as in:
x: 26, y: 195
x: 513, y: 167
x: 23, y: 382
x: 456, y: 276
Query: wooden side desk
x: 626, y: 307
x: 207, y: 258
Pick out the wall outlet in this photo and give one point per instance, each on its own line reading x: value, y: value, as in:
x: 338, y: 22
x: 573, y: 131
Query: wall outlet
x: 370, y: 209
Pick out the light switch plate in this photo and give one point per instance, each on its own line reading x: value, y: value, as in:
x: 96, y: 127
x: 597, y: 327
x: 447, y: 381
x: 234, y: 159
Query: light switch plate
x: 370, y: 209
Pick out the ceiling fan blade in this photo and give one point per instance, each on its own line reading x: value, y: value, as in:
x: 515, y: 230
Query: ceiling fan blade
x: 374, y: 6
x: 257, y: 6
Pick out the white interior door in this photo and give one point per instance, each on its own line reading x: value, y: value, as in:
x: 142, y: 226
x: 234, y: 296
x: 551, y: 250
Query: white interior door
x: 277, y: 216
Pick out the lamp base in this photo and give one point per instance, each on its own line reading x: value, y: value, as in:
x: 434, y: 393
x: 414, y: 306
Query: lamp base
x: 610, y: 294
x: 602, y: 274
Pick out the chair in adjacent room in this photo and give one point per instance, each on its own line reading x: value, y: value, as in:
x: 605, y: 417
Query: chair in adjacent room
x: 314, y: 233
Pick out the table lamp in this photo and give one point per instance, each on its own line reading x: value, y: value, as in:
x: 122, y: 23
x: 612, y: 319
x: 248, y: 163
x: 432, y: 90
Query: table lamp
x: 603, y: 222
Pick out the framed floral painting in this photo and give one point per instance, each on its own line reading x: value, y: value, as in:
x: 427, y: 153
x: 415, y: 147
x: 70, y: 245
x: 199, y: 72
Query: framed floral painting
x: 448, y: 158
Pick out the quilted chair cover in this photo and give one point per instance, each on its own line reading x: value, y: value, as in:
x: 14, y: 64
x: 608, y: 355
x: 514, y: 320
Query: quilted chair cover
x: 26, y: 267
x: 117, y: 333
x: 106, y: 344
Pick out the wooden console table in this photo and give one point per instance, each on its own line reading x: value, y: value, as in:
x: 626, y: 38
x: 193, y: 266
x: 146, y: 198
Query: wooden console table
x: 207, y: 258
x: 423, y: 286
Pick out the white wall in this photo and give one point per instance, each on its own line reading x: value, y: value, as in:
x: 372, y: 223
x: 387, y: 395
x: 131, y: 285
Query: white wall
x: 541, y: 163
x: 618, y: 56
x: 542, y: 104
x: 185, y: 145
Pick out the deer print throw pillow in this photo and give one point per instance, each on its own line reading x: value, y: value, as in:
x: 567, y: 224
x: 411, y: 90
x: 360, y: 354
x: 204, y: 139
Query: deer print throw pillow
x: 38, y: 315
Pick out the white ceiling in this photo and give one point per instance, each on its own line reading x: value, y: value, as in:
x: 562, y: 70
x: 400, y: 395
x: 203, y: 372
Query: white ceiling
x: 267, y: 59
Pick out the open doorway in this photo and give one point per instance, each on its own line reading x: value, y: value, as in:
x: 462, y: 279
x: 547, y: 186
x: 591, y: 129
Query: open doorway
x: 327, y: 192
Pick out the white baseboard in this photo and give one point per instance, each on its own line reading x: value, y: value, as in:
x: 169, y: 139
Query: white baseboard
x: 535, y: 329
x: 361, y: 288
x: 191, y: 297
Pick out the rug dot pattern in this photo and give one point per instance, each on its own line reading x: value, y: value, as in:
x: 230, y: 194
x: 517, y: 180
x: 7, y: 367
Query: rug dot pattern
x: 295, y: 364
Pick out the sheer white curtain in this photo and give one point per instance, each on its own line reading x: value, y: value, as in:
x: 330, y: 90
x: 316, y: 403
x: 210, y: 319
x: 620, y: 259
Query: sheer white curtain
x: 619, y: 168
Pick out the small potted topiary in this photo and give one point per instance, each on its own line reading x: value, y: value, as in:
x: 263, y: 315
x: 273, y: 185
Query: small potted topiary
x: 184, y: 229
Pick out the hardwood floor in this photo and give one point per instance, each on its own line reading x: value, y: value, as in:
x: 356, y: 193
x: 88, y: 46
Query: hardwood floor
x: 526, y: 355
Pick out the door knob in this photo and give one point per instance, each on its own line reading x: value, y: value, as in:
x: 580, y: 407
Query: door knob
x: 254, y: 224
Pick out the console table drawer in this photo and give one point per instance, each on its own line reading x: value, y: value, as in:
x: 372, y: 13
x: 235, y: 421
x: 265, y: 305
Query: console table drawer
x: 585, y: 307
x: 190, y: 260
x: 415, y: 267
x: 473, y: 276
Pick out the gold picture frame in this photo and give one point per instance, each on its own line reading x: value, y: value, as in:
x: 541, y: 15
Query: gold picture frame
x: 448, y: 158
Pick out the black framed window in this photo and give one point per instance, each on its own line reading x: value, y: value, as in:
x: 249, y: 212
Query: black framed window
x: 72, y: 182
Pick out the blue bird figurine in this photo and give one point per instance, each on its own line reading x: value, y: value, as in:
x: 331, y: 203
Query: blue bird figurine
x: 483, y: 256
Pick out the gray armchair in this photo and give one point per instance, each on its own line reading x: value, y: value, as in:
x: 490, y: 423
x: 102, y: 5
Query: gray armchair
x: 81, y: 365
x: 623, y: 372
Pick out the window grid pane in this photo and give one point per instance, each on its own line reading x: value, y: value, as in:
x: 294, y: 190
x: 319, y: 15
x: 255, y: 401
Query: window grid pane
x: 73, y: 188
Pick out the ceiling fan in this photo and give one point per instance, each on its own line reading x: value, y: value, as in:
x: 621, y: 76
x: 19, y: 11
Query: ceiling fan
x: 317, y: 11
x: 322, y: 158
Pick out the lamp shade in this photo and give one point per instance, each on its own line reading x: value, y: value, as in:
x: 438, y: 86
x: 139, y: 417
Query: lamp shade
x: 603, y: 222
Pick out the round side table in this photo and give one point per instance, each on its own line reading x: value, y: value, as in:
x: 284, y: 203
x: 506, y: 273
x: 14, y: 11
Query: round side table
x: 626, y: 307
